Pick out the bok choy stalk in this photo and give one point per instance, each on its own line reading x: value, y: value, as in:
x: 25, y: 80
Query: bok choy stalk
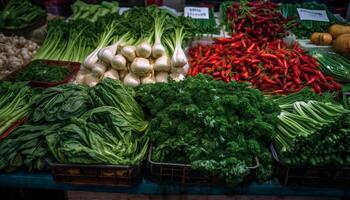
x: 15, y: 102
x: 313, y: 133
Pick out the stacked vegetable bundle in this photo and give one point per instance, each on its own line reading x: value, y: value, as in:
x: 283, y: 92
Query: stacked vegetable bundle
x: 259, y: 20
x: 272, y: 67
x: 147, y: 50
x: 305, y: 28
x: 312, y: 132
x: 19, y: 13
x: 78, y: 124
x: 214, y: 126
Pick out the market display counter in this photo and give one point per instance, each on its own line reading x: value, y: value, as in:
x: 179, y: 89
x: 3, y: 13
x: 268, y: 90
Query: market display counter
x: 45, y: 181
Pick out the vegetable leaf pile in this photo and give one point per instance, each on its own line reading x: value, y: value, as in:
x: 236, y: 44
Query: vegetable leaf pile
x: 214, y: 126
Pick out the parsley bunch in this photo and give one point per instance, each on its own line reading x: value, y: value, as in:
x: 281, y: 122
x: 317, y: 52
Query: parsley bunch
x: 214, y: 126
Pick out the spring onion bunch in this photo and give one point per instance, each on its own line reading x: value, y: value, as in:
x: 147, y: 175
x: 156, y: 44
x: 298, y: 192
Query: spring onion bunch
x: 68, y: 41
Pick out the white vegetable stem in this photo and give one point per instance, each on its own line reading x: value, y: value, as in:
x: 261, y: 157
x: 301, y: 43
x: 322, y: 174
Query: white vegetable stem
x: 179, y: 58
x: 90, y: 80
x: 131, y: 80
x: 111, y: 73
x: 99, y: 69
x: 118, y: 62
x: 150, y: 79
x: 162, y: 77
x: 129, y: 53
x: 107, y: 53
x: 144, y: 49
x: 162, y: 64
x: 158, y: 49
x: 141, y: 66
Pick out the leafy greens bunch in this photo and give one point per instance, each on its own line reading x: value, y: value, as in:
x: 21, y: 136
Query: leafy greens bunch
x: 111, y: 133
x: 312, y: 130
x: 19, y: 13
x: 26, y: 147
x: 214, y: 126
x: 16, y: 103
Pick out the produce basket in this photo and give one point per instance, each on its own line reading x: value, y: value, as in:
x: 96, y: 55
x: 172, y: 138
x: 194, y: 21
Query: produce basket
x: 106, y: 175
x: 9, y: 130
x: 184, y: 174
x: 311, y: 175
x: 24, y: 30
x: 74, y: 66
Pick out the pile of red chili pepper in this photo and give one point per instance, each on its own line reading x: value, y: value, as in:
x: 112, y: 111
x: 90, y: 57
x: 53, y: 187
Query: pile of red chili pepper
x: 272, y: 67
x: 259, y: 19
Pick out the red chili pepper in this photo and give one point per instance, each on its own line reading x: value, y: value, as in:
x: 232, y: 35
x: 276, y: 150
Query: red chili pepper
x: 321, y: 76
x: 268, y: 80
x: 287, y: 85
x: 250, y: 49
x: 316, y: 88
x: 312, y: 80
x: 336, y: 85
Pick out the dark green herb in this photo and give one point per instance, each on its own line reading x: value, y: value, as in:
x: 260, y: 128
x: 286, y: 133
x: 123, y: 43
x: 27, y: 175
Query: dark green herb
x: 214, y: 126
x: 40, y: 71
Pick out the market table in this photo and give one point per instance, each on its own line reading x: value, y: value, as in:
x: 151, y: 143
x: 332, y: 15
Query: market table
x: 46, y: 181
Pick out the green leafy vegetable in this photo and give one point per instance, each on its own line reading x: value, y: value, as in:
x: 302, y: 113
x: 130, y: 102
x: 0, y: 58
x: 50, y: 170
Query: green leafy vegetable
x: 39, y: 71
x: 26, y: 147
x: 18, y: 13
x: 214, y: 126
x: 16, y: 101
x: 62, y: 103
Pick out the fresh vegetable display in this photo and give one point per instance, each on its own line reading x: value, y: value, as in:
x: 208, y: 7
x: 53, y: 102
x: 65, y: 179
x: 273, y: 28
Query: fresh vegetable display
x: 214, y: 126
x: 259, y: 20
x: 150, y: 83
x: 305, y: 28
x: 19, y: 13
x: 333, y: 64
x: 272, y: 67
x: 40, y: 71
x: 16, y: 103
x: 312, y: 133
x: 15, y: 52
x: 92, y: 12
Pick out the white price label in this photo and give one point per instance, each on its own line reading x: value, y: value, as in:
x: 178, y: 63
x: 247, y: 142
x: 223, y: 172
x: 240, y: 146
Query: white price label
x: 314, y: 15
x: 197, y: 12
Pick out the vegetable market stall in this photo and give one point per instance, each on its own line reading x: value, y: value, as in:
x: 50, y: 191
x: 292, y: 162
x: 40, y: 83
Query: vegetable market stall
x: 45, y: 181
x: 228, y: 114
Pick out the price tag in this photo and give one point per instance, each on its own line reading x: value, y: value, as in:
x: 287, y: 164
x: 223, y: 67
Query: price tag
x: 197, y: 12
x: 314, y: 15
x: 123, y: 9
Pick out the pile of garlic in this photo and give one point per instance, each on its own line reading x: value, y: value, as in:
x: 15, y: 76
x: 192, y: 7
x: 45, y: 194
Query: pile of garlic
x: 134, y: 65
x: 15, y: 52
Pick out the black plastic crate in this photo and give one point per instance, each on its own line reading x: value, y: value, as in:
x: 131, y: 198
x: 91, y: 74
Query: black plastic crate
x: 328, y: 176
x: 174, y: 173
x: 106, y: 175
